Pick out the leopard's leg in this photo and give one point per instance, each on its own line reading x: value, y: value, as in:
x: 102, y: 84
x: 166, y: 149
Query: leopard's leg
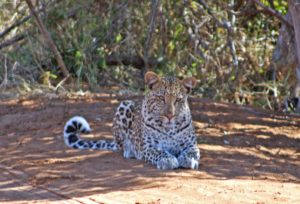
x: 189, y: 157
x: 162, y: 159
x: 122, y: 127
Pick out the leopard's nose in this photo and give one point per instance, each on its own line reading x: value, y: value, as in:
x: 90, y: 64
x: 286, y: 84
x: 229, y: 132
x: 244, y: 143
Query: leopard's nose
x: 169, y: 116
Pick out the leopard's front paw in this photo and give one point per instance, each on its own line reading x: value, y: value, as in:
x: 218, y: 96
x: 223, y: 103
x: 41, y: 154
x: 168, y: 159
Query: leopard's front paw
x: 168, y: 163
x: 187, y: 162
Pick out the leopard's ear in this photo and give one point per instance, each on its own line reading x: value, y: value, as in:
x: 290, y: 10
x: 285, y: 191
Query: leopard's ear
x: 152, y: 80
x: 189, y: 83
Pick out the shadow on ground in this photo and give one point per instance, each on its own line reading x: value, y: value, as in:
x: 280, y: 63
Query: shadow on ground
x: 235, y: 142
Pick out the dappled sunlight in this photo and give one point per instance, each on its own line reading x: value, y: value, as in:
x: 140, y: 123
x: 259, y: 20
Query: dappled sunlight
x: 235, y: 63
x: 235, y: 146
x: 243, y: 145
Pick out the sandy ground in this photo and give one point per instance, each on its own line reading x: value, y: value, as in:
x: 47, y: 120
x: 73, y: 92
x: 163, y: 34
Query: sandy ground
x: 247, y: 156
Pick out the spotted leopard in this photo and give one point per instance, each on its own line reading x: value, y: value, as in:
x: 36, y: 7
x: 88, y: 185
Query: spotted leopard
x: 158, y: 129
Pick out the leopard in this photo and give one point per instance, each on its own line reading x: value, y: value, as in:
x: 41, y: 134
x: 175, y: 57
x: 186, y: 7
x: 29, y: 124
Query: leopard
x: 157, y: 129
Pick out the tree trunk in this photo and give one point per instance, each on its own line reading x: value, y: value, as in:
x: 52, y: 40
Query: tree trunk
x: 286, y: 55
x: 294, y: 9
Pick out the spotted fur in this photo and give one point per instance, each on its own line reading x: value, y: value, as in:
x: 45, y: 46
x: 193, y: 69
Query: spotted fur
x: 158, y: 130
x: 77, y: 125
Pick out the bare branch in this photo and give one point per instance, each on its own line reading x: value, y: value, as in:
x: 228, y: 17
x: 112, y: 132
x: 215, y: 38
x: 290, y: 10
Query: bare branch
x: 228, y: 26
x: 238, y: 4
x: 223, y: 24
x: 14, y: 25
x: 49, y: 40
x: 12, y: 41
x: 154, y: 8
x: 272, y: 12
x: 22, y: 21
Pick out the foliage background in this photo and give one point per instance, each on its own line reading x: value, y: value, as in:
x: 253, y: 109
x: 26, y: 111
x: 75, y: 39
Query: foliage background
x: 227, y: 45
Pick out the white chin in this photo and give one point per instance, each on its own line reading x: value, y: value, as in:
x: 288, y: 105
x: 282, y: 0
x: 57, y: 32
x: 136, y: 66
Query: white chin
x: 168, y: 124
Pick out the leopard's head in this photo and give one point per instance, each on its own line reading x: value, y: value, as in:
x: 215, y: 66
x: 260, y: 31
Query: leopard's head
x: 166, y: 103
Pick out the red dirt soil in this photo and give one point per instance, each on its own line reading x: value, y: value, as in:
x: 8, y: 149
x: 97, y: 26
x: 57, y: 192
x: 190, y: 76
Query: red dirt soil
x: 247, y: 156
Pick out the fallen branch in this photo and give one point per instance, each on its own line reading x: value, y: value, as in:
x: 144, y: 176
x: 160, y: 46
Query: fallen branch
x: 60, y: 84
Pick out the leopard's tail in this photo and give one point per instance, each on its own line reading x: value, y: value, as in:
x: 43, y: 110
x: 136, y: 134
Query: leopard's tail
x: 77, y: 125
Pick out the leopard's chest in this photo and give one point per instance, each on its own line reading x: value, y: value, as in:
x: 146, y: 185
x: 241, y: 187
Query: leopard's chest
x: 171, y: 140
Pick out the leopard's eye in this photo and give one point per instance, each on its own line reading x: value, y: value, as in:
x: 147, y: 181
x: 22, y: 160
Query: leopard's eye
x: 161, y: 98
x: 177, y: 100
